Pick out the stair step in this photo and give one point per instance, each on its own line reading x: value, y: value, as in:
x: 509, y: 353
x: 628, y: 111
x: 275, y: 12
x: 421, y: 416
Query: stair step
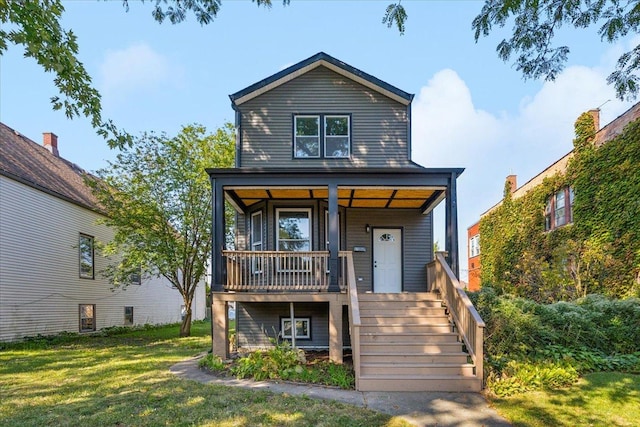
x: 405, y: 327
x: 401, y: 304
x: 451, y: 383
x: 394, y: 337
x: 406, y: 296
x: 383, y: 318
x: 411, y: 347
x: 381, y: 368
x: 403, y: 311
x: 394, y: 357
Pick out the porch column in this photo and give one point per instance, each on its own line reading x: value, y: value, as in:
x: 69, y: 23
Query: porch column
x: 220, y: 328
x: 334, y: 244
x: 335, y: 330
x: 451, y: 214
x: 217, y: 236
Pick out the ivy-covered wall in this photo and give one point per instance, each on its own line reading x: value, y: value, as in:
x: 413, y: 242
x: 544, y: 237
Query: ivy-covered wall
x: 598, y: 253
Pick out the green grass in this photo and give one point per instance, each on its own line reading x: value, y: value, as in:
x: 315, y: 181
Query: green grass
x: 123, y: 380
x: 598, y: 399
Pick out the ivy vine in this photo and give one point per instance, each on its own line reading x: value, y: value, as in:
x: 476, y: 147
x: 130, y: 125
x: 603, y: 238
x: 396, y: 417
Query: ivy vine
x: 598, y: 253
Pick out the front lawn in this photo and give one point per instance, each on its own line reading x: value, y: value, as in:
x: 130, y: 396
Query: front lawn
x: 123, y: 380
x: 604, y: 399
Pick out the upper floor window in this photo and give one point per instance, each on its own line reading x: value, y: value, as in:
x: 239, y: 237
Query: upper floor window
x: 336, y: 136
x: 474, y: 246
x: 86, y: 255
x: 558, y: 210
x: 322, y: 135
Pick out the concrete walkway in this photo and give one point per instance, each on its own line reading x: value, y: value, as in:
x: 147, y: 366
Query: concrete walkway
x: 420, y: 408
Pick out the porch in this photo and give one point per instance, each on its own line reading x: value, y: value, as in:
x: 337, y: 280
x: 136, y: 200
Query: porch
x: 424, y: 341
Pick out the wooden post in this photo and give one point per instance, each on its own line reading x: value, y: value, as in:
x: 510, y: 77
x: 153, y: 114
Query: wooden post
x: 220, y: 328
x: 335, y: 330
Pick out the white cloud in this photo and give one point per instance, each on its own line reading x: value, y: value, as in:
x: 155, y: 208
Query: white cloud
x: 449, y: 131
x: 443, y: 112
x: 134, y: 69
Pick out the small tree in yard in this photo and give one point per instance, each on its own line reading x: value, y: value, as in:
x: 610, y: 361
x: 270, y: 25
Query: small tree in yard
x: 156, y: 195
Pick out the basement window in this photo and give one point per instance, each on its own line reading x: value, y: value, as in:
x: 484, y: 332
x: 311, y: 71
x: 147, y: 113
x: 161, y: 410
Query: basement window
x: 87, y: 313
x: 303, y: 328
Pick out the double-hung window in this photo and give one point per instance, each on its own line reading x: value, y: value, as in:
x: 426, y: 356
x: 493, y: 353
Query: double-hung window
x: 474, y: 246
x: 307, y: 136
x: 322, y: 135
x: 560, y: 218
x: 294, y: 235
x: 558, y: 210
x: 336, y: 136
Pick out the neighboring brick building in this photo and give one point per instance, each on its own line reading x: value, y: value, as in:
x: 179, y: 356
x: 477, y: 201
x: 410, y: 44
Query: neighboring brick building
x: 559, y: 207
x: 473, y: 251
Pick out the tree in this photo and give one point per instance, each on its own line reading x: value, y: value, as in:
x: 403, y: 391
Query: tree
x: 35, y: 24
x: 156, y: 195
x: 535, y: 24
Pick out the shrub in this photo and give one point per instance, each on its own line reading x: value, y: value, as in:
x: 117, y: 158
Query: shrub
x: 531, y: 346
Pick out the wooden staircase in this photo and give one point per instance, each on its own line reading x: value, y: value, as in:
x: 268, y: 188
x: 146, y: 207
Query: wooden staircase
x: 408, y: 343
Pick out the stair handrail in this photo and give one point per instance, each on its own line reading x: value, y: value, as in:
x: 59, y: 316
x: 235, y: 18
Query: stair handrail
x: 354, y: 315
x: 466, y: 318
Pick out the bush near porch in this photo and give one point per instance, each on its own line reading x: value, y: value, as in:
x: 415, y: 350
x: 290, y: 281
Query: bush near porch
x: 532, y: 346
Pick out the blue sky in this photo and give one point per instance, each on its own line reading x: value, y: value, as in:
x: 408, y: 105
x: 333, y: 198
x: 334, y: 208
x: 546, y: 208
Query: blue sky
x: 471, y: 109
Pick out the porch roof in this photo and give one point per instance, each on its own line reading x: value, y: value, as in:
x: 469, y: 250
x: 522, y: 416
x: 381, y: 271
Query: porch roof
x: 397, y: 188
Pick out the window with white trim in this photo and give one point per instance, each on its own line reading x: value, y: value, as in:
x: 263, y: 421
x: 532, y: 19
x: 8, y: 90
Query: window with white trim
x: 256, y: 240
x: 322, y: 135
x: 294, y: 235
x: 307, y: 136
x: 303, y: 327
x: 474, y: 246
x: 87, y: 314
x: 294, y: 229
x: 336, y: 137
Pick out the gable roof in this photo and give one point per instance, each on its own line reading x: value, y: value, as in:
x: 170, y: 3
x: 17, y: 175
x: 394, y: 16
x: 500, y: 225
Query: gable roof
x: 25, y: 161
x: 317, y: 60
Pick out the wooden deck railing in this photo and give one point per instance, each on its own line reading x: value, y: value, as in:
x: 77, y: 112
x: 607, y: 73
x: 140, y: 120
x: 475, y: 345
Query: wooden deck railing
x: 279, y: 271
x: 468, y: 322
x: 354, y: 315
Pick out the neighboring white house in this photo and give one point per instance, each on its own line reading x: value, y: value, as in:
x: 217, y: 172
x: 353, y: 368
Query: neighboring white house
x: 50, y: 278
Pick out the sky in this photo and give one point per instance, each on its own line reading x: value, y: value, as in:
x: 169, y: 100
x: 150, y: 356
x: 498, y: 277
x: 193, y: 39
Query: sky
x: 470, y: 110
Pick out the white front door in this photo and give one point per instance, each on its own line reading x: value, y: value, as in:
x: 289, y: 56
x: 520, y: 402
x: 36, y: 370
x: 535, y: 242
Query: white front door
x: 387, y: 260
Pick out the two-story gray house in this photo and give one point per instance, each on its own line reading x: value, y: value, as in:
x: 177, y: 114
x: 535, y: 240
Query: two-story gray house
x: 334, y: 243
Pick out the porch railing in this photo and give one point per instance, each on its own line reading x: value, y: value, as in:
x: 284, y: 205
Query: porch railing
x: 354, y: 315
x: 280, y: 271
x: 468, y: 322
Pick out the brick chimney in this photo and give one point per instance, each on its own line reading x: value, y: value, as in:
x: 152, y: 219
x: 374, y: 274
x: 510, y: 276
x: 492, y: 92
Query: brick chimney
x: 50, y: 142
x: 595, y: 113
x: 512, y: 180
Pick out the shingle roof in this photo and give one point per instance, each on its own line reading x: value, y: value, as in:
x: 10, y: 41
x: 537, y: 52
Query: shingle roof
x: 312, y: 62
x: 30, y: 163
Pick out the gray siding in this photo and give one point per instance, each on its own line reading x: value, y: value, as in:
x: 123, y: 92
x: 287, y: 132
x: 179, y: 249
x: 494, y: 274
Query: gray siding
x: 379, y: 125
x: 417, y: 244
x: 40, y: 288
x: 256, y: 323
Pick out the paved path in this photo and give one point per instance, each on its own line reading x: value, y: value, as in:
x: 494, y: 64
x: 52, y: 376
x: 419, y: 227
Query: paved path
x: 420, y: 408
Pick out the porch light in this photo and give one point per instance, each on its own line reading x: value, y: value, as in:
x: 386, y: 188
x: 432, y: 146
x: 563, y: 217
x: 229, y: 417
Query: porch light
x: 367, y: 228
